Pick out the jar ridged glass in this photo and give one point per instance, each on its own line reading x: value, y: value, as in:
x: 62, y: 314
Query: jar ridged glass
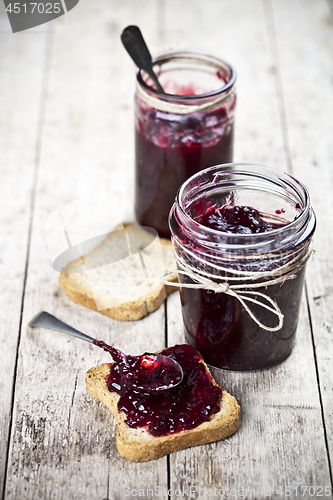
x: 182, y: 131
x: 229, y: 329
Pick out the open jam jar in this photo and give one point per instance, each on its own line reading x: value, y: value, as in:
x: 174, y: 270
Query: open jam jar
x: 241, y: 236
x: 182, y: 131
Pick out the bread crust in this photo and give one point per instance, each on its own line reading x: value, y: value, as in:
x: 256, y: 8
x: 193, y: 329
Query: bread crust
x: 74, y: 281
x: 138, y: 445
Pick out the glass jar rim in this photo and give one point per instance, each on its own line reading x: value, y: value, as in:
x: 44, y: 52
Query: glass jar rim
x: 189, y: 54
x: 297, y: 226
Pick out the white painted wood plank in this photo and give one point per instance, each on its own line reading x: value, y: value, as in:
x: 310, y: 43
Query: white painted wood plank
x: 87, y: 149
x: 236, y: 32
x: 20, y: 105
x: 305, y: 53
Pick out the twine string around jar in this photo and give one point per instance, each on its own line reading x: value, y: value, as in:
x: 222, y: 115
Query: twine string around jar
x: 184, y: 109
x: 242, y: 292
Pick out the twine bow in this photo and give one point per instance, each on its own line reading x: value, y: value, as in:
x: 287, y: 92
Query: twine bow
x: 242, y: 292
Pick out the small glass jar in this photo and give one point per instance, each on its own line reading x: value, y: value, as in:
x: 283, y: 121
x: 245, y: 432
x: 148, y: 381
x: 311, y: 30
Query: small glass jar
x: 182, y: 131
x: 233, y: 329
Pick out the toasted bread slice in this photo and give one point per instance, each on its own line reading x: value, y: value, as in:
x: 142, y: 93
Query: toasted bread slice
x: 138, y: 445
x: 121, y: 277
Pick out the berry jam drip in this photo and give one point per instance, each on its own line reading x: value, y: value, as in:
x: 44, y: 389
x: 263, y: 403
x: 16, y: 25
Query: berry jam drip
x: 235, y: 219
x: 183, y: 407
x: 217, y: 325
x: 147, y: 372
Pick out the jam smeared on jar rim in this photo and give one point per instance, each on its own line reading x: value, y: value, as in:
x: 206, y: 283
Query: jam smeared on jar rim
x: 183, y: 407
x: 147, y: 372
x: 234, y: 219
x: 174, y: 88
x: 190, y: 89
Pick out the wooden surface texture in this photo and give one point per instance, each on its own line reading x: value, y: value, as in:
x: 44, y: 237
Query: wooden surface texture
x: 66, y: 134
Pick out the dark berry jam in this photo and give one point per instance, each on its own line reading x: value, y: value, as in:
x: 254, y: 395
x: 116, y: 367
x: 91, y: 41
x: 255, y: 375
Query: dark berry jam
x: 147, y: 372
x: 227, y: 337
x: 237, y: 220
x: 183, y: 407
x: 258, y: 256
x: 152, y: 372
x: 169, y: 149
x: 217, y: 324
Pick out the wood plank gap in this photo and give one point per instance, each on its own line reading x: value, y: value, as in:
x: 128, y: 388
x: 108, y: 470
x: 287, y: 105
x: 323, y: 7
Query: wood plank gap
x: 43, y: 98
x: 169, y: 476
x: 72, y: 402
x: 161, y: 22
x: 167, y: 345
x: 108, y: 486
x: 318, y: 383
x: 166, y: 340
x: 273, y: 47
x: 16, y: 358
x: 330, y: 7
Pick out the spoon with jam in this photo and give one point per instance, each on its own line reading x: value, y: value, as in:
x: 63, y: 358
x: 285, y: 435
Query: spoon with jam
x: 148, y: 372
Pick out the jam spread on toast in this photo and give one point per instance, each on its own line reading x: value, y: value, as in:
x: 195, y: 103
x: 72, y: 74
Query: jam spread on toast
x: 181, y: 408
x: 146, y: 372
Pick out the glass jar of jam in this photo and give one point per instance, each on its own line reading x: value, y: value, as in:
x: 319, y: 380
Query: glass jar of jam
x: 182, y: 131
x: 241, y: 235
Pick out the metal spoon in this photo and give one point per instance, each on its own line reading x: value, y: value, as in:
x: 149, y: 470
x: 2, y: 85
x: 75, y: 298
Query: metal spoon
x: 149, y: 372
x: 136, y: 47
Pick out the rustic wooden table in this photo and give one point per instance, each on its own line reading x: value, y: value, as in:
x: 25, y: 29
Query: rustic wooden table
x: 66, y: 130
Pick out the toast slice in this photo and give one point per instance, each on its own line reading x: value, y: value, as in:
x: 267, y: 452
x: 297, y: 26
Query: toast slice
x: 138, y: 445
x: 121, y: 277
